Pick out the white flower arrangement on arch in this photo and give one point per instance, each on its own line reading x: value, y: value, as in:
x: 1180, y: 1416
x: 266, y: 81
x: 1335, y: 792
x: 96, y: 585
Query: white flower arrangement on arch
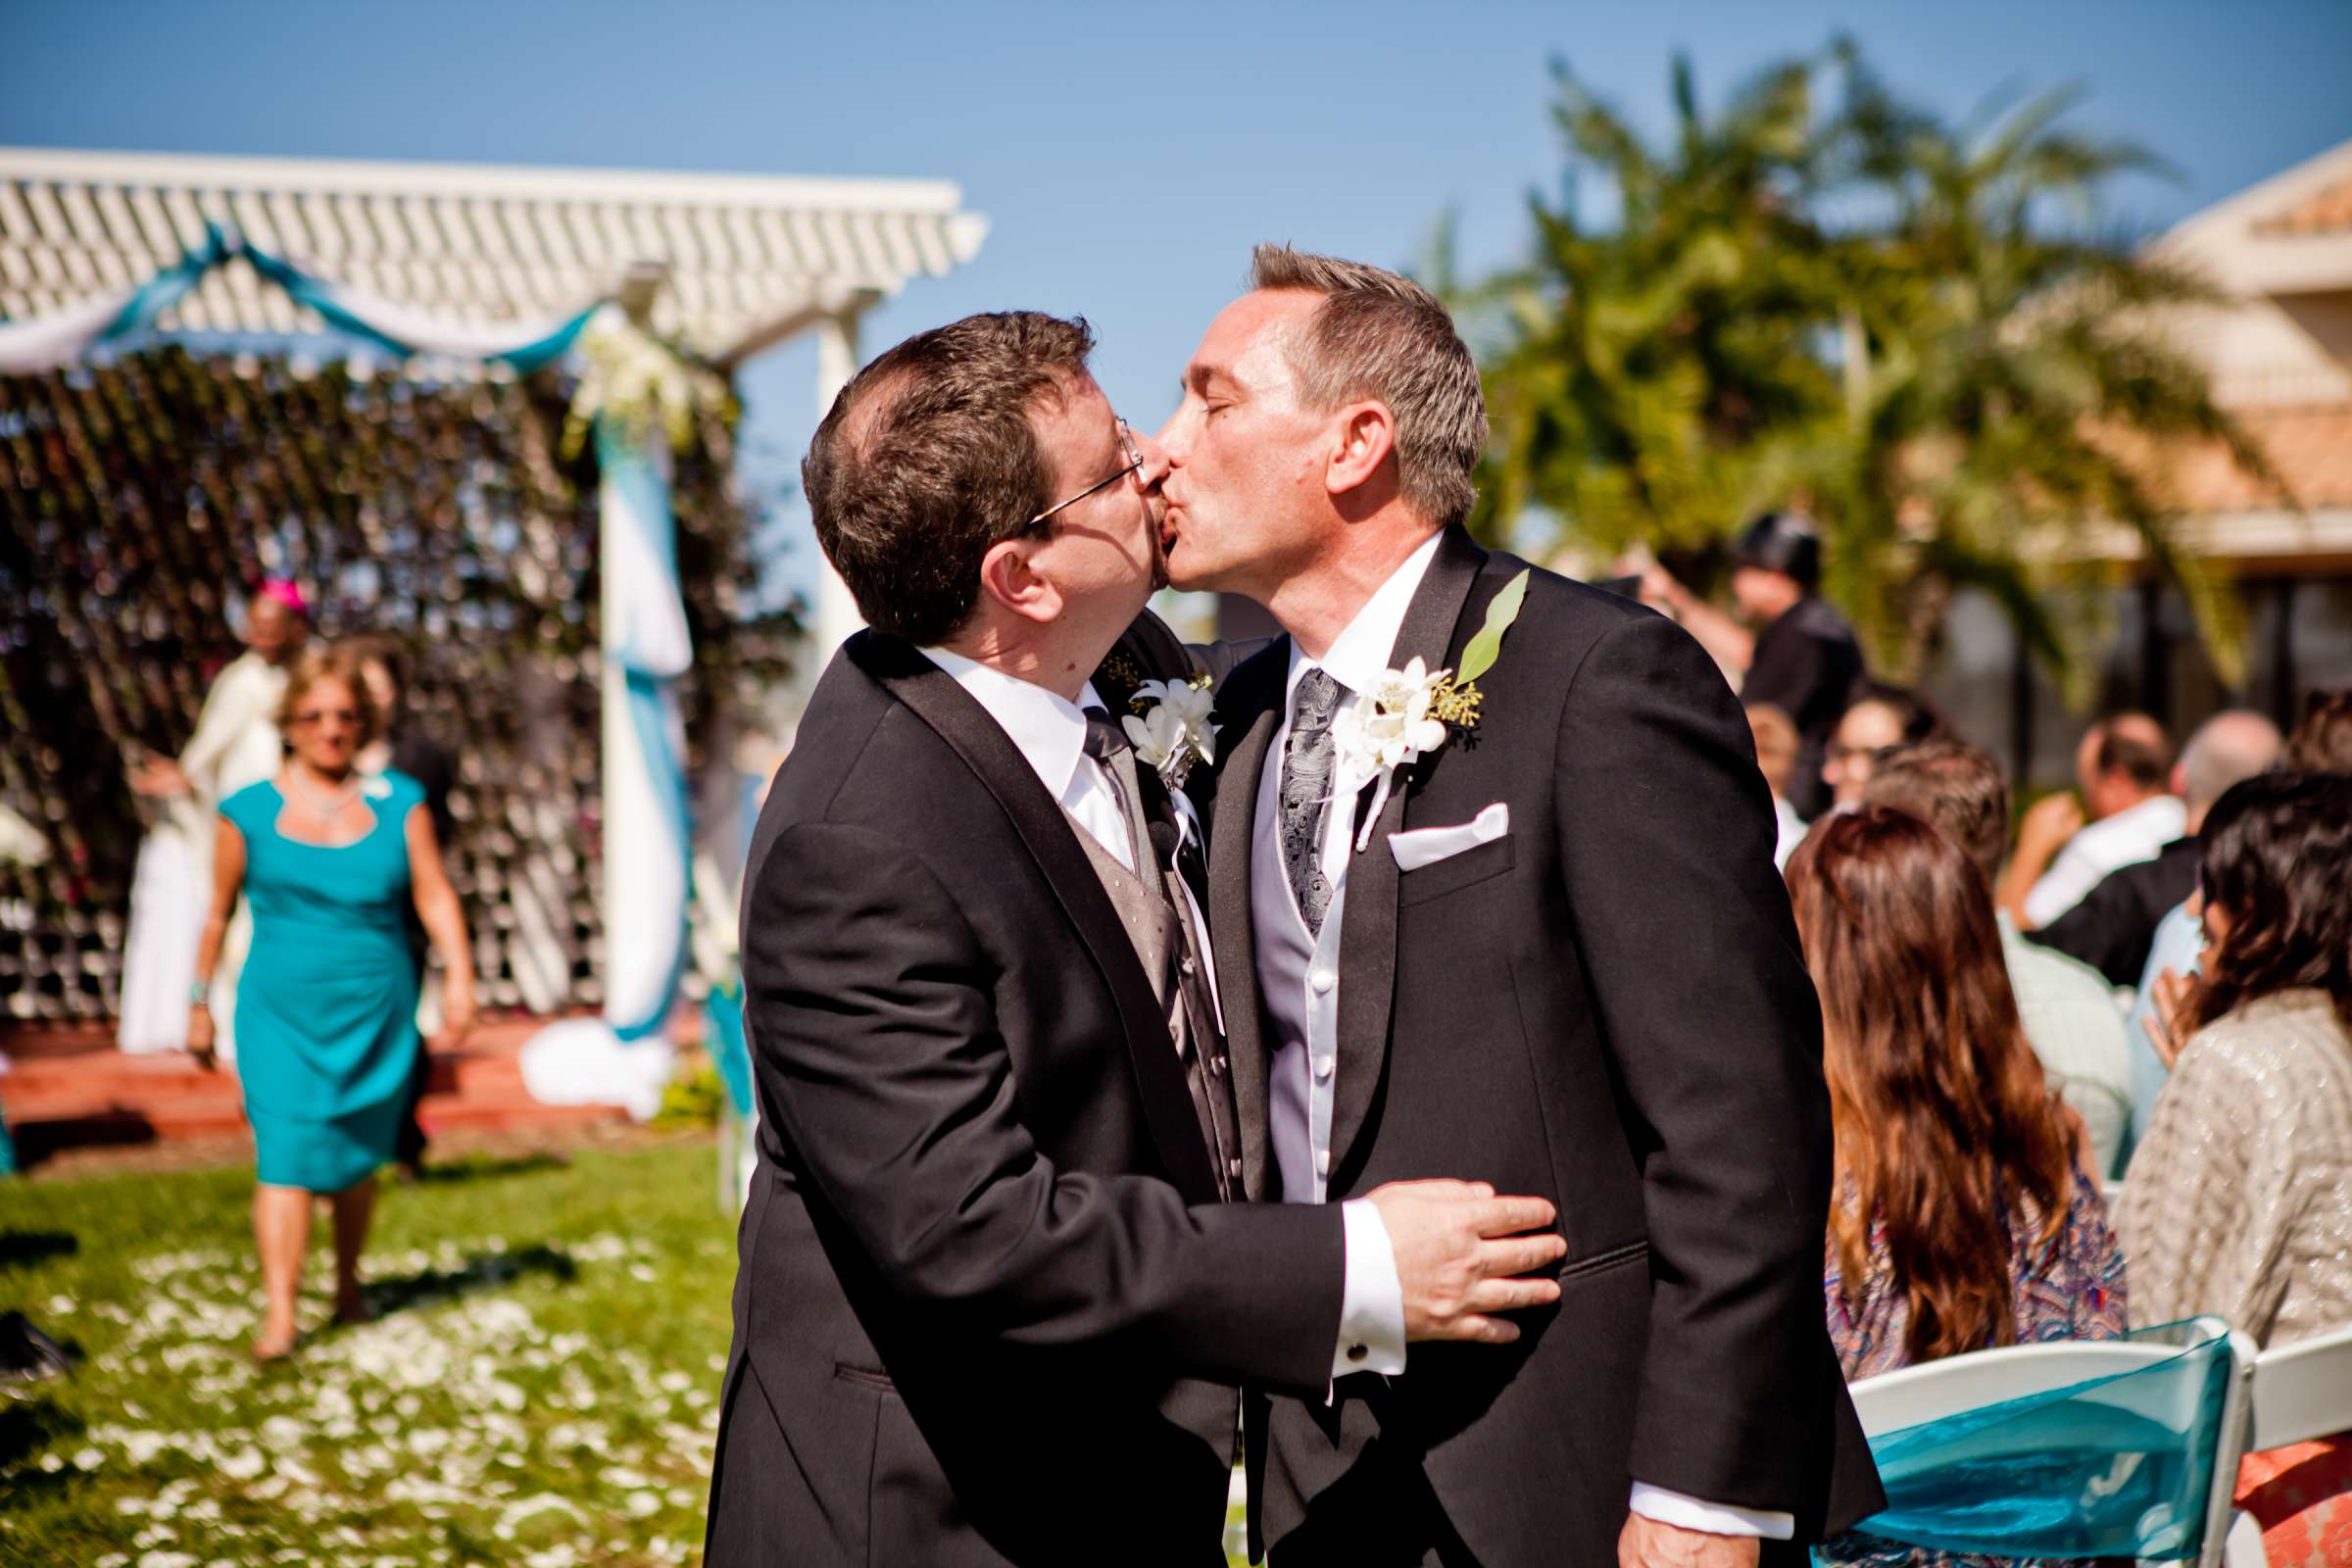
x: 641, y: 383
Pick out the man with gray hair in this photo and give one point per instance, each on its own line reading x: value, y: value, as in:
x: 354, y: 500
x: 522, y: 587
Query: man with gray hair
x: 1492, y: 878
x: 2112, y: 928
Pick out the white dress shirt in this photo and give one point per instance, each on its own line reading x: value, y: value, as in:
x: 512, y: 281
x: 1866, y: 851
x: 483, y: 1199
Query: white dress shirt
x: 1298, y: 975
x: 1050, y: 733
x: 2128, y: 837
x: 1790, y: 830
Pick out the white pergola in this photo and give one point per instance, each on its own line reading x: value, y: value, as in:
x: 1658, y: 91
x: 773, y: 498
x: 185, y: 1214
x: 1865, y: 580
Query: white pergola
x: 728, y: 265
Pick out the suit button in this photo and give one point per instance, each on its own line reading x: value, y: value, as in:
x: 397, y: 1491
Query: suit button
x: 1322, y: 1161
x: 1322, y: 980
x: 1356, y: 1353
x: 1323, y: 1066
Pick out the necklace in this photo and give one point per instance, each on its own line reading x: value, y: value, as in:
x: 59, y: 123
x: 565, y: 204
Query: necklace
x: 324, y: 806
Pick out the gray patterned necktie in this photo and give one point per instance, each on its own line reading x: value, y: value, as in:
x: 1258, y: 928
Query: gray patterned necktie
x: 1108, y: 744
x: 1306, y: 778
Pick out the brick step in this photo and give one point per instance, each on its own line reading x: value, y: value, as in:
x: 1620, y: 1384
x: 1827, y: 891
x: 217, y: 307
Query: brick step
x: 439, y: 1114
x: 172, y: 1073
x: 55, y: 1101
x: 90, y: 1126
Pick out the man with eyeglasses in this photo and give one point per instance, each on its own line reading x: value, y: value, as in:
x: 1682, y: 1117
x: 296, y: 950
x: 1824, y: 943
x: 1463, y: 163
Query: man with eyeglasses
x: 994, y: 1303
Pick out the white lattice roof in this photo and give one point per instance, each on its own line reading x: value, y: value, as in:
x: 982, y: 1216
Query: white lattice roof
x: 750, y: 259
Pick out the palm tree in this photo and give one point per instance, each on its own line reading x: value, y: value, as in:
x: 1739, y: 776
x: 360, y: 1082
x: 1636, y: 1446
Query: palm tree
x: 1876, y: 310
x: 1636, y: 369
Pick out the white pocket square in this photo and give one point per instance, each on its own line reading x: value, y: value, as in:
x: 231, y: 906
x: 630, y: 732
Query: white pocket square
x: 1426, y: 846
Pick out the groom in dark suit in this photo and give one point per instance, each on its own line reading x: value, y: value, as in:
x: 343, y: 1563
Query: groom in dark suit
x: 993, y: 1306
x: 1527, y: 930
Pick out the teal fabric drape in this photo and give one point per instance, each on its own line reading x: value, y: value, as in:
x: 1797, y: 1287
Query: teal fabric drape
x: 2114, y: 1468
x: 64, y: 337
x: 723, y: 1038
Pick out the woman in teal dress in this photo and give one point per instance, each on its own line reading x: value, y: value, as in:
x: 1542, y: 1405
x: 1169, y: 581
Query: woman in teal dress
x: 329, y: 858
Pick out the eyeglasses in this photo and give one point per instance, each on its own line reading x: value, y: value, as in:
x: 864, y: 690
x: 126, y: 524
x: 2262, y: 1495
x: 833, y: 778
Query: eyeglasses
x: 349, y: 716
x: 1127, y: 448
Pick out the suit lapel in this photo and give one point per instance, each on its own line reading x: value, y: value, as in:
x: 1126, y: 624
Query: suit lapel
x: 1368, y: 912
x: 1255, y: 700
x: 933, y: 697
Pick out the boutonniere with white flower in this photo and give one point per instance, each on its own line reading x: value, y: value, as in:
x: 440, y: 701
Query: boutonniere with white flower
x: 1411, y: 711
x: 376, y: 787
x: 1170, y: 728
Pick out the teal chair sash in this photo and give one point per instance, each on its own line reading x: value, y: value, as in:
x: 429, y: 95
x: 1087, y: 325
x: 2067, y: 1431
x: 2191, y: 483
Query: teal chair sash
x: 2118, y: 1466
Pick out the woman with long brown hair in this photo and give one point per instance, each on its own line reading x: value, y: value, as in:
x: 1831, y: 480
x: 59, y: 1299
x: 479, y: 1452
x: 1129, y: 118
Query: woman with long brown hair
x: 1962, y: 1218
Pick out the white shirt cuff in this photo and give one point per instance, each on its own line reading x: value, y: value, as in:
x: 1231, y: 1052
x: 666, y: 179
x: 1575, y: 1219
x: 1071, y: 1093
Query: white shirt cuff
x: 1372, y: 1300
x: 1715, y: 1518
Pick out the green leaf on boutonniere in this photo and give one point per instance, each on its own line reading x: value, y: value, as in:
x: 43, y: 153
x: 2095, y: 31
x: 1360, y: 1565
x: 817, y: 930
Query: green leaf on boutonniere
x: 1487, y: 647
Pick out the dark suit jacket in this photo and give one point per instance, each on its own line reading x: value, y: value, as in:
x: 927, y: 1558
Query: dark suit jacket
x: 1807, y: 664
x: 1606, y: 1007
x: 2114, y: 928
x: 989, y: 1308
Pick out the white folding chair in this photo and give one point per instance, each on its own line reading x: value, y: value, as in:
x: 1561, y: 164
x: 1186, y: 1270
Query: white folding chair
x: 2299, y: 1392
x: 2303, y: 1391
x: 1936, y: 1389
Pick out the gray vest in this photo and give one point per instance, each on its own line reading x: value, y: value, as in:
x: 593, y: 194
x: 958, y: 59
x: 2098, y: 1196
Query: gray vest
x: 1163, y: 941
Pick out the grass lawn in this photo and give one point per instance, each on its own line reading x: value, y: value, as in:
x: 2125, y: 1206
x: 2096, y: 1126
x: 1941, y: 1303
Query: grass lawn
x: 540, y: 1385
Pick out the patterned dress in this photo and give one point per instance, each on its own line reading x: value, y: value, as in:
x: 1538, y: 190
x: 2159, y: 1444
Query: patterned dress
x: 2070, y: 1287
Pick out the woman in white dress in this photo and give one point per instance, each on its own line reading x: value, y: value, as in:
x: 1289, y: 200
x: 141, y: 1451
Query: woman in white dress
x: 236, y: 743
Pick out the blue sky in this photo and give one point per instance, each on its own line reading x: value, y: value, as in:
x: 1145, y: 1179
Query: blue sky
x: 1127, y: 156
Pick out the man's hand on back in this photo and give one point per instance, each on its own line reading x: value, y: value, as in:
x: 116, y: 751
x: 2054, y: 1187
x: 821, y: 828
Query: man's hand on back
x: 1649, y: 1542
x: 1457, y: 1248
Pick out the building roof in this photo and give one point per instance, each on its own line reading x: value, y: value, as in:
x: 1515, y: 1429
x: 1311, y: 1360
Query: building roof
x: 2288, y: 234
x: 2310, y: 448
x: 750, y: 259
x: 2326, y: 211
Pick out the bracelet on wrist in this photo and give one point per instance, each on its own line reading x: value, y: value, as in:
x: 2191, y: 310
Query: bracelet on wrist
x: 199, y: 993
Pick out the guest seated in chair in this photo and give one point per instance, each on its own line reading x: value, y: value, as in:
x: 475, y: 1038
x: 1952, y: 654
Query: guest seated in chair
x: 2240, y: 1198
x: 1961, y: 1217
